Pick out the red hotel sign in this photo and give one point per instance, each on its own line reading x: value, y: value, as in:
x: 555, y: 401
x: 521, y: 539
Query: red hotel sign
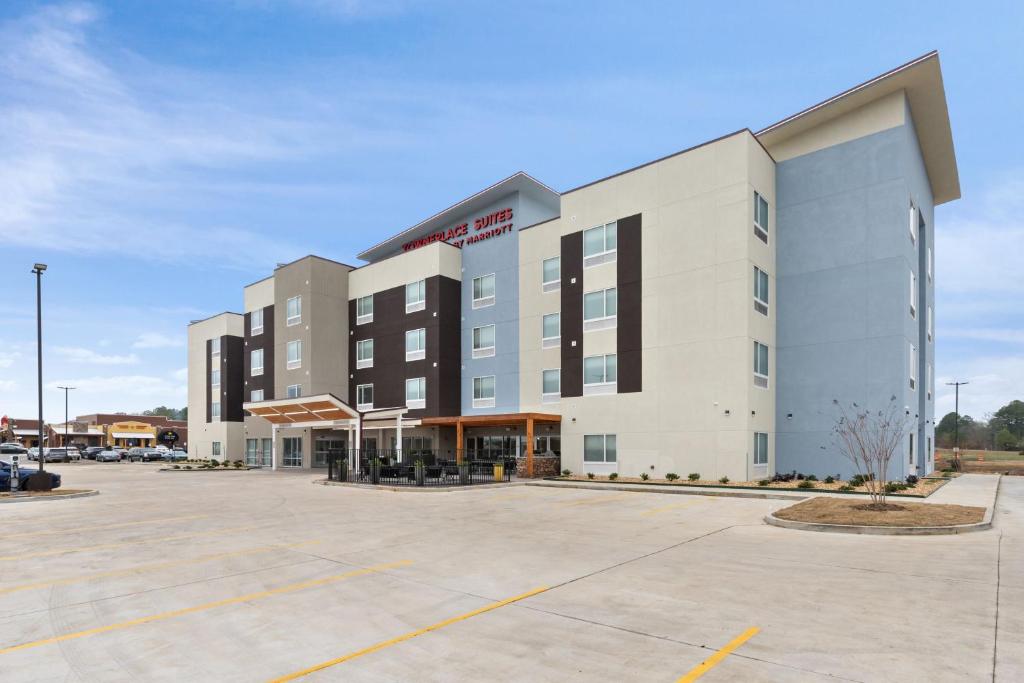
x: 484, y: 227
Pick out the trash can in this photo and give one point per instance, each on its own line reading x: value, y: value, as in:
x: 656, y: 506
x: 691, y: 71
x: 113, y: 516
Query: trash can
x: 499, y: 472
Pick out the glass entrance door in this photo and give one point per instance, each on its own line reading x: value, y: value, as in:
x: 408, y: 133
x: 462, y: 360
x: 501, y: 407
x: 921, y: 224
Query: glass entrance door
x: 323, y: 448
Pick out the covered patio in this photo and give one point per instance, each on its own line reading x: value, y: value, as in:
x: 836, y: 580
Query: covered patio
x: 526, y: 420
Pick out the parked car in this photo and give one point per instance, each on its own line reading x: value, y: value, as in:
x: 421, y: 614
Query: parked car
x: 92, y: 451
x: 176, y: 455
x: 107, y: 455
x: 33, y: 453
x: 23, y: 475
x: 12, y: 448
x: 138, y: 454
x: 61, y: 454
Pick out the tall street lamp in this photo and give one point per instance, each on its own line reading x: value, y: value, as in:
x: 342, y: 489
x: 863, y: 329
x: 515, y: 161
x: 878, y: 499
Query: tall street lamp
x: 66, y: 390
x: 38, y: 270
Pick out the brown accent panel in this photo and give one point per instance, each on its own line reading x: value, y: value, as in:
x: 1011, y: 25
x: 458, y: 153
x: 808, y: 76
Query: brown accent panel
x: 209, y: 394
x: 232, y: 351
x: 629, y: 330
x: 449, y: 357
x: 571, y: 317
x: 265, y: 341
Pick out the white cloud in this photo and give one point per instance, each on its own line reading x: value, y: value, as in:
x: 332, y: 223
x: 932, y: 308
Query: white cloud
x: 79, y: 355
x: 986, y: 334
x: 181, y: 374
x: 7, y: 358
x: 155, y: 340
x: 8, y: 385
x: 994, y: 382
x: 157, y: 389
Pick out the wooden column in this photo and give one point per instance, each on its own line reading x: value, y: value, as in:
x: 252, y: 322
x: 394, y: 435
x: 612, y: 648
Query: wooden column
x: 529, y: 447
x: 458, y: 441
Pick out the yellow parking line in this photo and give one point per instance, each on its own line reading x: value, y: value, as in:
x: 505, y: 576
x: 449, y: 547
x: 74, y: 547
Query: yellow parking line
x: 122, y: 544
x: 407, y: 636
x: 291, y: 588
x: 148, y: 568
x: 596, y: 501
x: 94, y: 527
x: 712, y: 661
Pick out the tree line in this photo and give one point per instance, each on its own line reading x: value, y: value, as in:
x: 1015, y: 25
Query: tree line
x: 1002, y: 431
x: 169, y: 413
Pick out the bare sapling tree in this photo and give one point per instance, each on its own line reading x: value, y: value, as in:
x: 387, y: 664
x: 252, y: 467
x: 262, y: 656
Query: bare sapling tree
x: 870, y: 439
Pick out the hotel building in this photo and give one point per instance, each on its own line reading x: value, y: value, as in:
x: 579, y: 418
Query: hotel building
x: 699, y: 313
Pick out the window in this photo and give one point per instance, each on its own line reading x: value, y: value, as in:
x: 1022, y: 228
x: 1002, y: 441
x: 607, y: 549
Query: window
x: 294, y: 354
x: 760, y: 291
x: 256, y: 322
x: 600, y: 374
x: 483, y: 392
x: 364, y: 397
x: 913, y: 366
x: 255, y: 395
x: 761, y: 217
x: 600, y: 244
x: 416, y: 392
x: 551, y: 385
x: 913, y: 224
x: 599, y: 448
x: 929, y: 449
x: 415, y: 296
x: 760, y: 448
x: 760, y: 365
x: 364, y: 310
x: 215, y: 410
x: 294, y: 390
x: 292, y: 451
x: 256, y: 362
x: 913, y: 295
x: 600, y: 309
x: 929, y: 264
x: 364, y: 354
x: 928, y: 382
x: 483, y: 291
x: 552, y: 274
x: 214, y: 378
x: 929, y: 326
x: 215, y: 449
x: 911, y: 435
x: 294, y: 310
x: 416, y: 344
x: 551, y: 334
x: 215, y: 346
x: 483, y: 341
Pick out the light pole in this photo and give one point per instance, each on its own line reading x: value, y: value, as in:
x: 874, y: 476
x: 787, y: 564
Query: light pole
x: 38, y: 270
x: 956, y: 425
x: 66, y: 390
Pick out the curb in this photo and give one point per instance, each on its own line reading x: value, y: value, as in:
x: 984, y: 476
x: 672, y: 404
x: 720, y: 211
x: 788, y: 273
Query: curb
x: 677, y: 490
x: 208, y: 469
x: 796, y: 491
x: 417, y: 489
x: 34, y: 499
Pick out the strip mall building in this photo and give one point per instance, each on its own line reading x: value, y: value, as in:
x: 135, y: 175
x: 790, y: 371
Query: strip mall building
x: 698, y: 313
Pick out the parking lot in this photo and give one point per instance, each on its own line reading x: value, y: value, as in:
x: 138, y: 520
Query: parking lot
x: 258, y: 576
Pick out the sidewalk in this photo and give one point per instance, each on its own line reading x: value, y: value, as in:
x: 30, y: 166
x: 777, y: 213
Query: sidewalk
x: 977, y: 490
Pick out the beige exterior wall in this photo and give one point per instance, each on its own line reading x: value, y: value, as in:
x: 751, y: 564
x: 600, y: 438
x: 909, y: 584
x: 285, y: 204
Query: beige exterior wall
x: 202, y: 434
x: 699, y: 324
x: 438, y: 258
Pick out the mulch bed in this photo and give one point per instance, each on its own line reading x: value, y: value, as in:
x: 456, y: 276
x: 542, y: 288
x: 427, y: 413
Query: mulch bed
x: 923, y: 489
x: 54, y: 492
x: 859, y: 512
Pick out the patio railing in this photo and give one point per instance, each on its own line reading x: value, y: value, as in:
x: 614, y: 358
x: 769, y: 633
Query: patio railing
x: 425, y: 468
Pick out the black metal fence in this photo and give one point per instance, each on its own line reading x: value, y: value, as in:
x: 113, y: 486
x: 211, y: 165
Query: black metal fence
x: 424, y: 468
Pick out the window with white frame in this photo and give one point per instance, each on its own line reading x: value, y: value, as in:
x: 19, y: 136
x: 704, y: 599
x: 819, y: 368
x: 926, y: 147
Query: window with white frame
x: 600, y: 244
x: 483, y: 392
x: 416, y: 392
x: 913, y: 366
x: 364, y: 309
x: 551, y: 385
x: 483, y: 341
x: 364, y: 354
x: 416, y: 296
x: 929, y: 324
x: 294, y: 390
x: 552, y: 278
x: 215, y: 449
x: 256, y: 322
x: 600, y: 309
x: 292, y: 451
x: 928, y: 264
x: 294, y: 354
x: 913, y: 295
x: 416, y: 344
x: 256, y: 362
x: 215, y: 346
x: 483, y: 291
x: 551, y: 333
x: 294, y: 310
x: 599, y: 448
x: 760, y: 365
x: 760, y: 448
x: 929, y: 380
x: 215, y: 410
x: 255, y: 395
x: 760, y: 291
x: 214, y: 378
x: 913, y: 223
x: 364, y: 397
x: 761, y: 217
x: 600, y: 374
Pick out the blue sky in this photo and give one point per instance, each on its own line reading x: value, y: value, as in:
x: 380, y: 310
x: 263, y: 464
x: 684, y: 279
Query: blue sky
x: 158, y: 156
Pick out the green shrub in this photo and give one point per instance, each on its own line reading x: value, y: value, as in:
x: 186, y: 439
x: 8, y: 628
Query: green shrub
x: 845, y: 487
x: 806, y: 484
x: 566, y: 473
x: 693, y: 476
x: 214, y: 462
x: 188, y: 467
x: 645, y: 476
x: 613, y: 476
x: 894, y: 486
x: 830, y: 479
x: 857, y: 480
x: 238, y: 465
x: 811, y: 477
x: 175, y: 467
x: 723, y: 480
x: 671, y: 476
x: 764, y: 482
x: 590, y: 475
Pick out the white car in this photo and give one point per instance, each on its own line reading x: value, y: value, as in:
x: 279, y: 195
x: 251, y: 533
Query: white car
x: 61, y: 454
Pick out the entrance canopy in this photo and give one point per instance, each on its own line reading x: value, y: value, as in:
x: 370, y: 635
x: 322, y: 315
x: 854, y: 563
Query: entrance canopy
x: 303, y: 411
